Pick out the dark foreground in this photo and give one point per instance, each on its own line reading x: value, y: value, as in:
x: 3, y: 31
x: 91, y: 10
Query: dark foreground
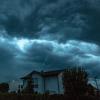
x: 44, y: 97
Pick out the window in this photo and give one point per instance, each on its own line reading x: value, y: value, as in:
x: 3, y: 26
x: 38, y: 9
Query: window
x: 35, y: 80
x: 35, y: 85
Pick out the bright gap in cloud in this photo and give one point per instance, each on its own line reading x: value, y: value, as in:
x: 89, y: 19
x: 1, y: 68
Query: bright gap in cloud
x: 22, y: 44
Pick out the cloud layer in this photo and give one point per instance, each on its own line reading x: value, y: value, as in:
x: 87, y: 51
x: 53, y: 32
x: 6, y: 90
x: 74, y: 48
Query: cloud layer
x: 57, y: 19
x: 48, y: 34
x: 21, y: 55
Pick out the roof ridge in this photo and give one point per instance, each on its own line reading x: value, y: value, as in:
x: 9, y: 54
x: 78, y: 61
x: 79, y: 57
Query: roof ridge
x: 44, y: 73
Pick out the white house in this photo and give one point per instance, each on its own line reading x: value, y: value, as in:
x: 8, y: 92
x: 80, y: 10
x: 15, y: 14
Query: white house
x: 14, y: 85
x: 50, y: 81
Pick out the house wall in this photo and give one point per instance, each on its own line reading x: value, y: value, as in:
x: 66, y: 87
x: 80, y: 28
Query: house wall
x: 61, y: 87
x: 14, y: 85
x: 51, y: 84
x: 40, y: 88
x: 24, y: 84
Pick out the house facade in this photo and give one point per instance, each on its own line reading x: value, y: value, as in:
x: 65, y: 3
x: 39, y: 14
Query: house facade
x: 48, y: 81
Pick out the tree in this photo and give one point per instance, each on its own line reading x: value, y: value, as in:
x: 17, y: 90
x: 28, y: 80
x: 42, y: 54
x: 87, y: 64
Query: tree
x: 4, y: 87
x: 75, y: 81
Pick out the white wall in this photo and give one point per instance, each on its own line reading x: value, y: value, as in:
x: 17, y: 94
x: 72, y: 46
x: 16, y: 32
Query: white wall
x: 61, y: 87
x: 51, y: 84
x: 13, y: 85
x: 40, y: 88
x: 24, y: 84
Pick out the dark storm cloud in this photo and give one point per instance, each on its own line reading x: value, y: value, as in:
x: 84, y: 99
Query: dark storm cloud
x: 48, y: 34
x: 6, y: 62
x: 22, y: 55
x: 10, y: 67
x: 51, y: 54
x: 58, y: 19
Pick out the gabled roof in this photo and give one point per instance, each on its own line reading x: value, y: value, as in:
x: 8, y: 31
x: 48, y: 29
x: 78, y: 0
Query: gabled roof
x: 43, y: 73
x: 52, y: 73
x: 30, y: 74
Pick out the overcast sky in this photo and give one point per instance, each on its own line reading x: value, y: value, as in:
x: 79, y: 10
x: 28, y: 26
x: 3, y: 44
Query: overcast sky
x: 48, y: 34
